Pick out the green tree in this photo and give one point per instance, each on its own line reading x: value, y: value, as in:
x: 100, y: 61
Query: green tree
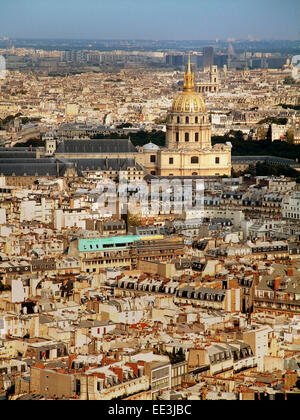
x: 260, y: 148
x: 125, y: 125
x: 138, y: 139
x: 262, y: 133
x: 289, y: 81
x: 131, y: 220
x: 251, y: 170
x: 266, y: 169
x: 274, y: 120
x: 161, y: 120
x: 288, y: 106
x: 290, y: 136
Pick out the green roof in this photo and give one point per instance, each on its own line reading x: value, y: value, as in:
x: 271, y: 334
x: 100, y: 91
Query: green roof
x: 102, y: 244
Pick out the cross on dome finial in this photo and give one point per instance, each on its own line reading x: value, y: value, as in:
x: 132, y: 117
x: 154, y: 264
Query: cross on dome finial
x: 189, y: 77
x: 189, y: 64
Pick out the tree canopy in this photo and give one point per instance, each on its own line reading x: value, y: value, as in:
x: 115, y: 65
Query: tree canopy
x: 266, y: 169
x: 139, y: 138
x: 259, y: 148
x: 274, y: 120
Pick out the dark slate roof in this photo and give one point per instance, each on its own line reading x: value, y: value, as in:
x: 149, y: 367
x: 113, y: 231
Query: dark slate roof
x: 12, y: 154
x: 27, y: 160
x: 16, y: 149
x: 211, y: 291
x: 273, y: 160
x: 33, y: 167
x: 104, y: 146
x: 36, y: 169
x: 16, y: 162
x: 105, y: 164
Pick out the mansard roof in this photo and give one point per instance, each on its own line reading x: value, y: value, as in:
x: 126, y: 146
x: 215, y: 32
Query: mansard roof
x: 97, y: 146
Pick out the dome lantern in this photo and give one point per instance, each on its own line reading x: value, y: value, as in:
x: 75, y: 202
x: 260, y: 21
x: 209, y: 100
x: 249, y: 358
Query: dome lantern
x: 188, y: 100
x: 189, y: 78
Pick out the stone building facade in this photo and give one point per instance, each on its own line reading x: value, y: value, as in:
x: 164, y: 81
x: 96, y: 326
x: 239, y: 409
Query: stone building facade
x: 188, y: 149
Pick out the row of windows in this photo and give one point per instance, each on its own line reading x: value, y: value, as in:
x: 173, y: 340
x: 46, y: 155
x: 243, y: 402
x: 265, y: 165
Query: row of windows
x: 189, y: 120
x: 187, y: 137
x: 106, y: 246
x: 194, y: 160
x: 104, y: 262
x: 95, y: 262
x: 293, y: 215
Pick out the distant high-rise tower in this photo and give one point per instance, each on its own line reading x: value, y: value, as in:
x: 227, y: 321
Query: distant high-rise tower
x: 176, y: 60
x: 230, y: 50
x: 208, y: 58
x: 230, y: 55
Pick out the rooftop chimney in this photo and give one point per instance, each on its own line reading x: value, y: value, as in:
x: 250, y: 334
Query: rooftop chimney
x: 71, y: 358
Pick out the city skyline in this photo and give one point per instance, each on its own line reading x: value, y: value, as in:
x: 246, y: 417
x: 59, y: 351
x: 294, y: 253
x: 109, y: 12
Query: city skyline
x: 163, y: 20
x: 149, y: 203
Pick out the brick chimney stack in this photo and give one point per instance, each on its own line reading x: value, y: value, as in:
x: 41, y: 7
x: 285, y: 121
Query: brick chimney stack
x: 277, y: 282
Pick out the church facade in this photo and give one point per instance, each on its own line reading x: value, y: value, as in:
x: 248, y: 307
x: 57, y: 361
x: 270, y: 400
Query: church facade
x: 188, y: 150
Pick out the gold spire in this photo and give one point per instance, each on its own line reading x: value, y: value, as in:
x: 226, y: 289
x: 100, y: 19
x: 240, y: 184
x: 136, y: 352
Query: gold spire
x: 189, y: 78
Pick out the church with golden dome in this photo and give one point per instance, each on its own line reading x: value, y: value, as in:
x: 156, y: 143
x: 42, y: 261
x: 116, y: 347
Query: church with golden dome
x: 188, y: 150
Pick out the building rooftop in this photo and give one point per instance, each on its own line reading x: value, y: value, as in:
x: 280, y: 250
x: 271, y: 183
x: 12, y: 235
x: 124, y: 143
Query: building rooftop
x: 100, y: 146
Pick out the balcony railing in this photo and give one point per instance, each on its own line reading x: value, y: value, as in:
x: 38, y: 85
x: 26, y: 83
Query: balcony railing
x: 277, y: 301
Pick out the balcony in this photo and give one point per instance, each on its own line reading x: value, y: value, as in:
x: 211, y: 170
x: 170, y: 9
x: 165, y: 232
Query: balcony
x: 279, y: 305
x: 278, y: 301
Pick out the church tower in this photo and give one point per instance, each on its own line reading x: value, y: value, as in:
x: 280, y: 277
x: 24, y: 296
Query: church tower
x: 188, y: 125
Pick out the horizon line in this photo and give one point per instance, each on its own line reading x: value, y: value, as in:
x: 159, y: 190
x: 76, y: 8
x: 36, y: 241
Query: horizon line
x: 215, y: 40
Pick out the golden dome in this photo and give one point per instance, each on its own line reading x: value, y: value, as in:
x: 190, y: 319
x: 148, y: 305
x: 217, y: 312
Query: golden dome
x: 189, y: 100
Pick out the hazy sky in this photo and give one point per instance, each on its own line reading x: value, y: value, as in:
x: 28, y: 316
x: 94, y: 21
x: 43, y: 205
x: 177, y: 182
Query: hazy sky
x: 152, y: 19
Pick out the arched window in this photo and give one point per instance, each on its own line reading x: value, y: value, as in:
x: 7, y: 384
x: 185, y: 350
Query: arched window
x: 187, y: 137
x: 196, y: 137
x: 195, y: 159
x: 187, y: 120
x: 196, y: 120
x: 178, y: 120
